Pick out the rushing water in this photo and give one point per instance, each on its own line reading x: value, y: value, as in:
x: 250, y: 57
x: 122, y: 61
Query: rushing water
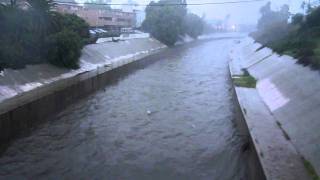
x: 170, y: 120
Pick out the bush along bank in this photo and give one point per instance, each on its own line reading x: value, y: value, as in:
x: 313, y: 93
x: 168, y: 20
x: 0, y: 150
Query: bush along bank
x: 39, y: 35
x: 300, y: 38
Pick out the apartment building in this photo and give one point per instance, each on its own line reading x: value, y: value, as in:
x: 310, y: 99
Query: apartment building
x: 106, y: 18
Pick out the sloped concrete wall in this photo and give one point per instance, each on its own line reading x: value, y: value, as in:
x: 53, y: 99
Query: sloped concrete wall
x: 110, y: 55
x: 290, y: 91
x: 30, y: 95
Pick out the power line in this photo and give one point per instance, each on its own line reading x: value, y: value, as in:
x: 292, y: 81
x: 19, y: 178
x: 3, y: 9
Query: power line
x: 165, y: 4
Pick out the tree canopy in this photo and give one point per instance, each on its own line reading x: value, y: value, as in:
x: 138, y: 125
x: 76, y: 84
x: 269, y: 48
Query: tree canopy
x: 194, y: 25
x: 272, y: 24
x: 298, y: 38
x: 168, y: 23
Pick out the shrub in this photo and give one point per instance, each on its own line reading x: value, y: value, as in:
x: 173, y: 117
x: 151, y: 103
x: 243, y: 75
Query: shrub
x: 35, y: 35
x: 64, y: 49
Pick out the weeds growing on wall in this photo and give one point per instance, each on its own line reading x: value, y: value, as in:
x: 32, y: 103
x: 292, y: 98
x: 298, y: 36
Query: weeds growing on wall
x: 245, y: 80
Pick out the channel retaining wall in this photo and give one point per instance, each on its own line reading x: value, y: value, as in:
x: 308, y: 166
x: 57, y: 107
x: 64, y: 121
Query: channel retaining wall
x: 30, y: 95
x: 291, y: 94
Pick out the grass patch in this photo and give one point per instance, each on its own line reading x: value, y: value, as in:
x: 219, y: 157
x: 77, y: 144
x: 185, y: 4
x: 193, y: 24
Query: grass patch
x: 310, y: 169
x: 245, y: 80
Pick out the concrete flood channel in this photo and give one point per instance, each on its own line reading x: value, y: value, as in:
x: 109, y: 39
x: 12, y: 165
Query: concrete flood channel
x: 171, y: 119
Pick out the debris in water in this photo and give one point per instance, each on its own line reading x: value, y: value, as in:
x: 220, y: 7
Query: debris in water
x: 149, y: 112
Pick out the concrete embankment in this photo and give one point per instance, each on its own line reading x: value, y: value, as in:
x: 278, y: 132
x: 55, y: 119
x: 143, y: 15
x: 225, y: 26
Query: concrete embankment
x: 30, y: 95
x: 282, y: 113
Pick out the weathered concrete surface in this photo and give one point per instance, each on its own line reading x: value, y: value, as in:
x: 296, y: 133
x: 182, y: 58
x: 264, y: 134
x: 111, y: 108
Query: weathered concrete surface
x: 95, y: 59
x: 255, y: 170
x: 290, y: 93
x: 32, y: 94
x: 41, y: 90
x: 277, y: 155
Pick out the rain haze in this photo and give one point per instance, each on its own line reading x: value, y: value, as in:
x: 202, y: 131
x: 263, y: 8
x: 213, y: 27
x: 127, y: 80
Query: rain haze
x: 160, y: 89
x: 243, y: 13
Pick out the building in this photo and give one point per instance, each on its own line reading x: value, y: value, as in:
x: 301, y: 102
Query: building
x: 132, y: 6
x: 103, y: 18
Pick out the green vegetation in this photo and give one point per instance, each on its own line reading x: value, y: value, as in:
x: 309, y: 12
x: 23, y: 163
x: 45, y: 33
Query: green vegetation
x: 168, y: 23
x: 245, y: 80
x: 310, y: 169
x: 300, y: 38
x: 64, y: 49
x: 272, y: 25
x: 194, y: 25
x: 38, y: 35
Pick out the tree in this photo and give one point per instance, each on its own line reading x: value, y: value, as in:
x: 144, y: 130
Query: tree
x: 312, y: 19
x: 269, y: 17
x: 165, y: 22
x: 194, y: 25
x: 273, y: 24
x: 266, y: 9
x: 41, y: 13
x: 168, y: 23
x: 300, y: 38
x: 71, y: 22
x: 15, y: 36
x: 297, y: 19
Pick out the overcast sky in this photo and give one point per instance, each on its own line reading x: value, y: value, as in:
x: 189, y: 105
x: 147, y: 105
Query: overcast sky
x: 240, y: 13
x: 247, y: 13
